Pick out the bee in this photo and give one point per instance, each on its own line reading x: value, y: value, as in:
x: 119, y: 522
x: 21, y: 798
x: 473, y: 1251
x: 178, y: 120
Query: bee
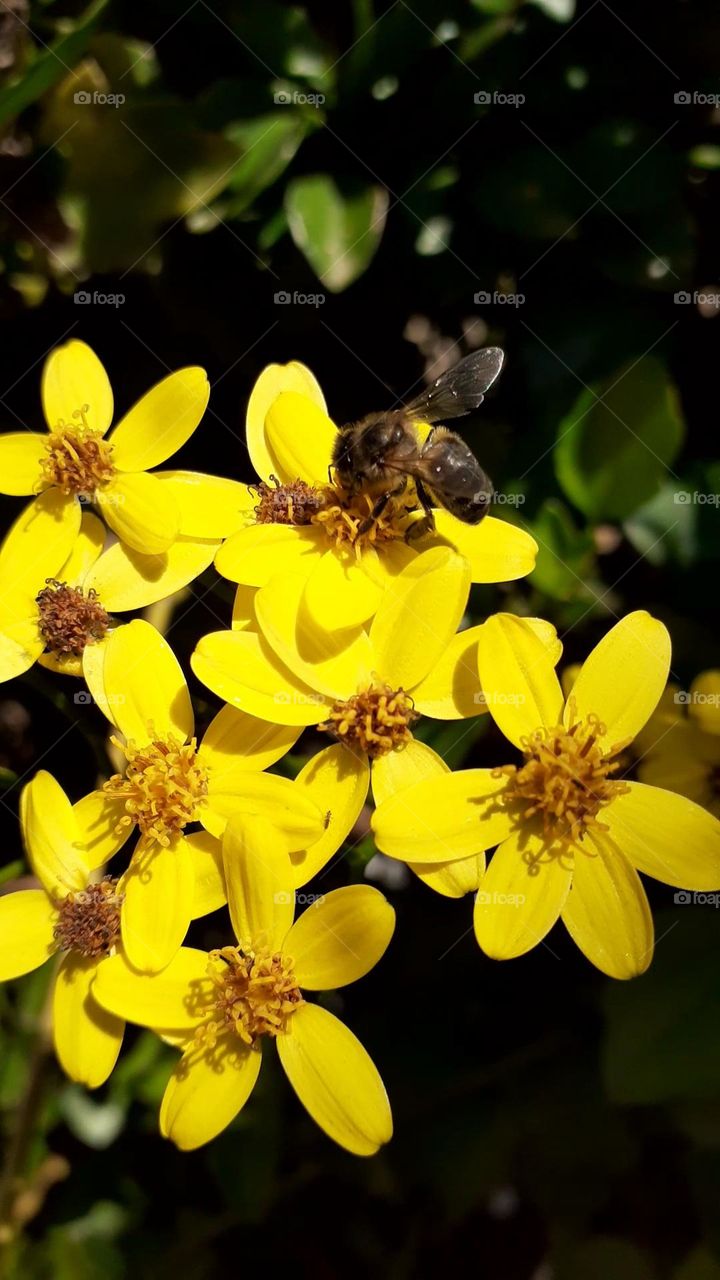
x: 378, y: 455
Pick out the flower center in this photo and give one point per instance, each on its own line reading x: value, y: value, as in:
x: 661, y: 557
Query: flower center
x: 375, y: 721
x: 566, y: 779
x: 163, y: 787
x: 89, y: 921
x: 79, y: 460
x: 68, y: 619
x: 345, y: 518
x: 255, y: 993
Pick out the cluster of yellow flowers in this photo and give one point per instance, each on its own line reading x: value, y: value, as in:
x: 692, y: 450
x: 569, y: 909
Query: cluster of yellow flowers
x: 339, y: 622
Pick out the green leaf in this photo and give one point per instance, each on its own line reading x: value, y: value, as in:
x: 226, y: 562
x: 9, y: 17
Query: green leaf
x: 662, y: 1041
x: 615, y: 447
x: 51, y: 64
x: 267, y: 145
x: 338, y: 233
x: 566, y: 556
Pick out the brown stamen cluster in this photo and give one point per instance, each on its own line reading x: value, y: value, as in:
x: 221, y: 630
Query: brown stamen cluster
x: 256, y: 993
x: 89, y: 921
x: 79, y: 461
x: 163, y: 787
x: 565, y: 780
x: 69, y: 619
x: 295, y: 504
x: 375, y: 721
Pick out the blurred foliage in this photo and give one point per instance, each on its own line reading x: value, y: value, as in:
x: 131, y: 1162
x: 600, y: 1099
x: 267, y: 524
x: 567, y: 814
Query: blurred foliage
x: 213, y: 168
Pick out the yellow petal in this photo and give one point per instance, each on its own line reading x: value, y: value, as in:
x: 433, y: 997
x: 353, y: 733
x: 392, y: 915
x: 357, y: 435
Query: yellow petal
x: 704, y: 706
x: 337, y: 782
x: 52, y: 837
x: 607, y: 912
x: 209, y: 877
x: 520, y: 687
x: 451, y: 689
x: 98, y: 818
x: 666, y: 836
x: 419, y: 615
x: 452, y: 879
x: 623, y: 679
x: 546, y: 632
x: 336, y: 1080
x: 179, y: 997
x: 157, y: 910
x: 339, y: 594
x: 74, y: 379
x: 27, y: 922
x: 67, y: 665
x: 87, y: 548
x: 340, y: 937
x: 141, y: 511
x: 39, y: 542
x: 207, y: 1090
x: 496, y: 550
x: 444, y: 817
x: 161, y: 421
x: 243, y: 614
x: 400, y: 769
x: 235, y: 740
x: 521, y: 896
x: 273, y: 380
x: 127, y: 579
x: 20, y: 646
x: 209, y: 506
x: 254, y: 555
x: 21, y: 457
x: 688, y: 776
x: 93, y: 669
x: 293, y: 814
x: 146, y: 688
x: 241, y: 668
x: 87, y: 1037
x: 334, y: 664
x: 259, y: 882
x: 301, y: 437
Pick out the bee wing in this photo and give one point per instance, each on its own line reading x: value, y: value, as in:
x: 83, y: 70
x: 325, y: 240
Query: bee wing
x: 459, y: 390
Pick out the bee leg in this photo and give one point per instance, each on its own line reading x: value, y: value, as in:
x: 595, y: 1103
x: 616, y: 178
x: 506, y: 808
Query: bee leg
x: 376, y: 512
x: 419, y: 528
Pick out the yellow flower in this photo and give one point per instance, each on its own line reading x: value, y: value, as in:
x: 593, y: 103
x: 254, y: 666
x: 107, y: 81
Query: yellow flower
x: 146, y: 512
x: 222, y: 1006
x: 680, y: 745
x: 299, y: 521
x: 364, y: 688
x: 571, y: 835
x: 171, y: 782
x: 73, y: 913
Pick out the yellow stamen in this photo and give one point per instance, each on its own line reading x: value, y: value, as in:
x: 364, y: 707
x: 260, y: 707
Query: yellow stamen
x: 79, y: 461
x: 375, y: 721
x: 565, y: 781
x: 163, y: 787
x: 341, y: 515
x: 256, y: 993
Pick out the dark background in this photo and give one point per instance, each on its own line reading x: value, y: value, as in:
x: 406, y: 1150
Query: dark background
x: 549, y: 1124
